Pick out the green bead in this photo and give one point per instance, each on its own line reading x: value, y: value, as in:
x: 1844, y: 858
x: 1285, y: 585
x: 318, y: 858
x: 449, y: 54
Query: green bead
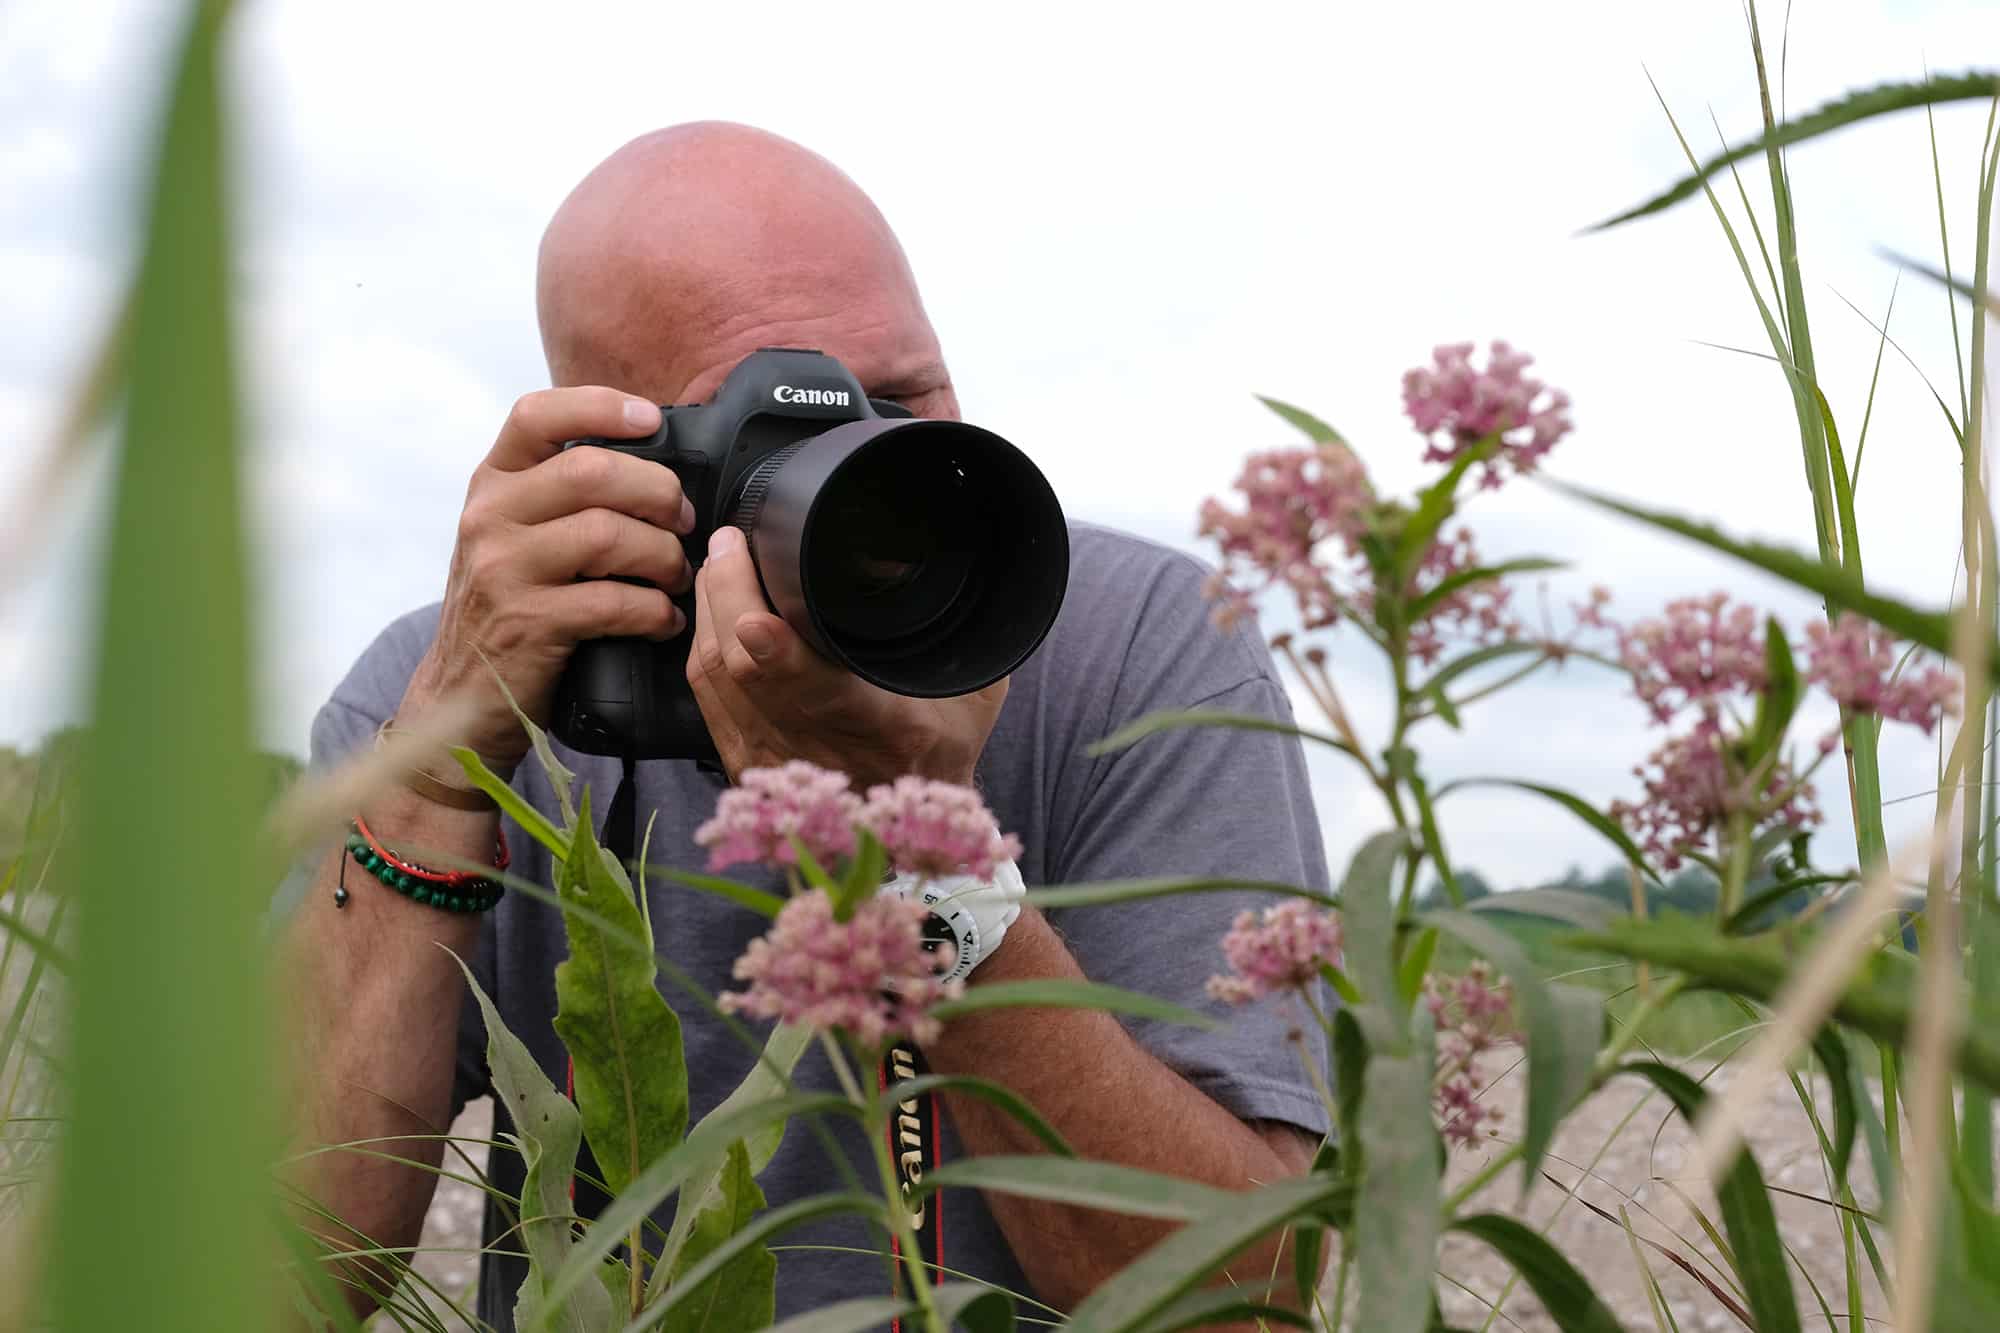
x: 457, y: 903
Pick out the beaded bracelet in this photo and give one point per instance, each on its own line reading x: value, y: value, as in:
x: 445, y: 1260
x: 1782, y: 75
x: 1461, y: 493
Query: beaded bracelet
x: 451, y: 890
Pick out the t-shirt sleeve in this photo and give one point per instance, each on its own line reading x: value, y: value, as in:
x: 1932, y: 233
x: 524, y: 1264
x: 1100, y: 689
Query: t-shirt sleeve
x: 345, y: 725
x: 1196, y: 801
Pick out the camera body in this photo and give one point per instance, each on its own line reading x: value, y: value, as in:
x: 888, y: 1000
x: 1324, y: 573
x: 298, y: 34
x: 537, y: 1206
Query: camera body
x: 928, y: 557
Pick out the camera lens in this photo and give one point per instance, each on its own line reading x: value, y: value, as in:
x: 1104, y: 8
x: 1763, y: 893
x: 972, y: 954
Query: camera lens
x: 928, y: 557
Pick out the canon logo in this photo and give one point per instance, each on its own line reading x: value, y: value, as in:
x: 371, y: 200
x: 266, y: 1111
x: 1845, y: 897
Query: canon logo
x: 785, y: 393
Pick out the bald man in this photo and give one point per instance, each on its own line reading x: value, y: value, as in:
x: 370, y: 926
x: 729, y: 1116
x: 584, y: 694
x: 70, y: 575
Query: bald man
x: 676, y: 258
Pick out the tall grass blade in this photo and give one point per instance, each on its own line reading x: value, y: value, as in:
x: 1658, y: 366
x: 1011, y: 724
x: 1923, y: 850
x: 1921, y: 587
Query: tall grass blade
x: 1564, y: 1292
x: 1848, y: 110
x: 1874, y: 378
x: 168, y: 1052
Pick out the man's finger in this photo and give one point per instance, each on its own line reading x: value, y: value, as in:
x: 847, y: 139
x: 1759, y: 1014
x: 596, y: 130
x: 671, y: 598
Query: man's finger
x: 754, y: 644
x: 578, y: 479
x: 540, y: 422
x: 602, y: 543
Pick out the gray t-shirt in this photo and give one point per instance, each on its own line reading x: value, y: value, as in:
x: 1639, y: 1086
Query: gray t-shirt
x: 1134, y: 636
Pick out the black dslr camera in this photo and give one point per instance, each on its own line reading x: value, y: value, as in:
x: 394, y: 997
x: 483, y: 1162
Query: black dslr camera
x: 927, y: 557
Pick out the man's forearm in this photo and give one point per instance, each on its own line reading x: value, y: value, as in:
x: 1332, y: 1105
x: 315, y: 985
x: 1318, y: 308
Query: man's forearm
x: 1113, y: 1101
x: 378, y: 1001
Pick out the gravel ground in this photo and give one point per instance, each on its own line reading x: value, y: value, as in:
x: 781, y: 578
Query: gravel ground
x: 1624, y: 1159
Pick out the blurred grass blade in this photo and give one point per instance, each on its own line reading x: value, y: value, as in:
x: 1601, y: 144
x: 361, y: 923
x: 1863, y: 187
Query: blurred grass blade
x: 1560, y: 1027
x: 1118, y: 1189
x: 981, y: 1309
x: 863, y: 1314
x: 1167, y: 719
x: 1235, y: 1305
x: 1755, y: 1250
x: 1062, y: 993
x: 1875, y: 378
x: 1563, y: 1291
x: 1140, y: 1291
x: 1844, y: 591
x: 1311, y: 426
x: 1832, y: 1052
x: 1368, y: 927
x: 1577, y: 806
x: 169, y: 1058
x: 754, y: 1233
x: 996, y: 1095
x: 1848, y: 110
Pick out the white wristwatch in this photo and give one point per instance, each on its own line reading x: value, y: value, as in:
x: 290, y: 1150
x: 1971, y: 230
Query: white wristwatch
x: 968, y: 913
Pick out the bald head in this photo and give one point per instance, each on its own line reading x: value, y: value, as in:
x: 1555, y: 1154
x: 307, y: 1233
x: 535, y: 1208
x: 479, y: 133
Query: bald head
x: 691, y: 247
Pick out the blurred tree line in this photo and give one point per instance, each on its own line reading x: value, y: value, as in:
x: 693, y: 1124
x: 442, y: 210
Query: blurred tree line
x: 29, y: 775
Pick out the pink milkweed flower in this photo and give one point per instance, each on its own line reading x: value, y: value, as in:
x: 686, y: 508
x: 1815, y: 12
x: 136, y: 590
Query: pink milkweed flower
x: 868, y: 976
x: 936, y: 828
x: 1280, y: 951
x: 1477, y: 613
x: 1455, y: 406
x: 757, y: 819
x: 1700, y: 651
x: 1854, y: 659
x: 1295, y: 501
x: 1473, y: 1013
x: 1690, y: 790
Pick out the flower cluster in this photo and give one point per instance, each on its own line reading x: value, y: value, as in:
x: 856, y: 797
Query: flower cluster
x: 1691, y: 790
x: 1854, y: 660
x: 1294, y: 501
x: 936, y: 828
x: 757, y: 819
x: 868, y: 975
x: 1702, y: 651
x: 1473, y: 1013
x: 1455, y: 407
x: 928, y: 828
x: 1278, y: 951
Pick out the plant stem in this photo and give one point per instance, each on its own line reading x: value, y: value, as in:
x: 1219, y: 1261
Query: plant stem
x: 1730, y: 895
x: 875, y: 1119
x: 1607, y: 1061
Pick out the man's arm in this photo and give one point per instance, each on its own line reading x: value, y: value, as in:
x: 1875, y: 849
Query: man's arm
x: 379, y: 999
x: 1115, y: 1102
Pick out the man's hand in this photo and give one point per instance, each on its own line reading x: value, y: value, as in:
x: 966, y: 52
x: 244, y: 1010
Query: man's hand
x: 536, y: 521
x: 768, y: 697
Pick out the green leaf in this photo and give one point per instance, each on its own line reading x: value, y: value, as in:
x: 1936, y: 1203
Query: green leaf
x: 1573, y: 803
x: 1560, y: 1027
x: 1309, y: 1237
x: 1350, y: 1079
x: 1062, y: 993
x: 1152, y: 1282
x: 1854, y: 107
x: 1967, y: 1295
x: 1368, y: 924
x: 1401, y: 1167
x: 1171, y: 719
x: 816, y: 875
x: 743, y: 1292
x: 710, y: 1140
x: 864, y: 875
x: 993, y: 1094
x: 1578, y: 909
x: 762, y: 903
x: 1565, y: 1293
x: 1236, y: 1303
x: 1832, y: 1052
x: 1416, y: 963
x: 767, y: 1080
x: 1780, y: 697
x: 624, y: 1040
x: 1435, y: 504
x: 1342, y: 986
x: 750, y: 1235
x: 863, y: 1314
x: 1434, y: 687
x: 169, y: 1065
x: 1758, y: 1253
x: 532, y: 821
x: 1129, y: 890
x: 1878, y: 1000
x: 1466, y: 578
x: 1120, y: 1189
x: 1311, y: 426
x: 1744, y: 919
x: 547, y: 1132
x: 1842, y: 590
x: 980, y: 1308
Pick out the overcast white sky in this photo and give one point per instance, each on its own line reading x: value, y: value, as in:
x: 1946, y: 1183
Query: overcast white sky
x: 1126, y: 220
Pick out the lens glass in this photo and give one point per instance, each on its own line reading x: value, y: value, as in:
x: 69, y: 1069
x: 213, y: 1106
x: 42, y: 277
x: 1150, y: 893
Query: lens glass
x: 892, y: 543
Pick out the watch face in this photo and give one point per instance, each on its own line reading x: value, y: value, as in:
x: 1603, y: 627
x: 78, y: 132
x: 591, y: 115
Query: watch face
x: 951, y: 923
